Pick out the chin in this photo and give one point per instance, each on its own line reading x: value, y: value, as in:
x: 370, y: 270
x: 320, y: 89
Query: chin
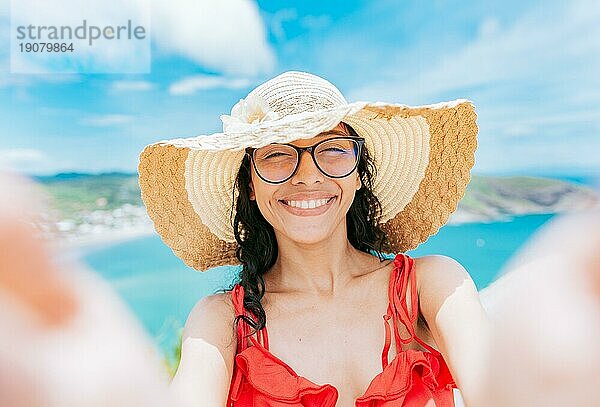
x: 307, y: 236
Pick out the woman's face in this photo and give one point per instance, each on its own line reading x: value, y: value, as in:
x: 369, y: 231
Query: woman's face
x: 310, y: 225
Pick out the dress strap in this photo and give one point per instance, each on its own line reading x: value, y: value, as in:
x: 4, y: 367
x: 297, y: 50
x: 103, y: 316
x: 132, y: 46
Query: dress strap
x: 401, y: 279
x: 243, y: 327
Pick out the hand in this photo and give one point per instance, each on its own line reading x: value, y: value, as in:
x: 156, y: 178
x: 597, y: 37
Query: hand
x: 66, y: 337
x: 546, y: 314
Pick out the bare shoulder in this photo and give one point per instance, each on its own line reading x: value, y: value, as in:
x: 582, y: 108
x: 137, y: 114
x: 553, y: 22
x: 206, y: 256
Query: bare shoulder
x: 439, y: 270
x: 212, y: 319
x: 437, y: 277
x: 208, y: 349
x: 444, y: 284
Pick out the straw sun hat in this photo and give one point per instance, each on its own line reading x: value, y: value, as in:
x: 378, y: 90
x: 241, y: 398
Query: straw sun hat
x: 423, y: 155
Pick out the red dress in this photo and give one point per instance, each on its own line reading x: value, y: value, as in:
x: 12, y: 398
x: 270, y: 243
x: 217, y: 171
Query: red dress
x: 413, y: 378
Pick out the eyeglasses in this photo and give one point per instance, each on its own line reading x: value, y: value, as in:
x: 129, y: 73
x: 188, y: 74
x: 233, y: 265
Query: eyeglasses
x: 335, y: 157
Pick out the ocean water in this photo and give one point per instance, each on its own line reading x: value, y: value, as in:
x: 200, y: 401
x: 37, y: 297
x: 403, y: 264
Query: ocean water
x: 161, y: 290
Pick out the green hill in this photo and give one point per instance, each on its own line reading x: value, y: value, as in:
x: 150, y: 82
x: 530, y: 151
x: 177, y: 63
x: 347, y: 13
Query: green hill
x: 89, y: 203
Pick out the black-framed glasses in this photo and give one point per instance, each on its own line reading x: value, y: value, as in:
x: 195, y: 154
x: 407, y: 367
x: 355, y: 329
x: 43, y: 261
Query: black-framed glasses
x: 335, y: 157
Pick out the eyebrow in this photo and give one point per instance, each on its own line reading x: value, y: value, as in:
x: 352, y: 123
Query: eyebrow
x: 330, y: 132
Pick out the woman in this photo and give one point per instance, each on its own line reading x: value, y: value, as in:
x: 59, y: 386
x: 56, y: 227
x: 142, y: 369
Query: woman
x: 53, y: 318
x: 321, y: 188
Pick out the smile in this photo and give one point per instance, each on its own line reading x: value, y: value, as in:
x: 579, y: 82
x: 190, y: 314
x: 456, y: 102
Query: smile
x: 308, y: 204
x: 308, y: 207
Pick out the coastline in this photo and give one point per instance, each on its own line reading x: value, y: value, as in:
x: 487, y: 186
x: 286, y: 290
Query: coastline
x: 79, y: 228
x: 77, y: 246
x: 102, y: 229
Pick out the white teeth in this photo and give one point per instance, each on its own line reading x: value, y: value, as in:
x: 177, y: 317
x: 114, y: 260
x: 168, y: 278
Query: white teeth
x: 307, y: 204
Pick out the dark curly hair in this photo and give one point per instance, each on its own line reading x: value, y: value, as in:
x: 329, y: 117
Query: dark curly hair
x: 257, y: 245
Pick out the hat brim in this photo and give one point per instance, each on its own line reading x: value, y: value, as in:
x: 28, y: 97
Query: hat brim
x: 423, y: 156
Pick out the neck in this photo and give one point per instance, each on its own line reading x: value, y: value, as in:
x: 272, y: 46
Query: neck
x: 322, y: 268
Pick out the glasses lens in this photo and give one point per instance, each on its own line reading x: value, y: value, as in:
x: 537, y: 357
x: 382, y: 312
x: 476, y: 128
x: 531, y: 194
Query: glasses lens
x: 337, y: 157
x: 275, y: 162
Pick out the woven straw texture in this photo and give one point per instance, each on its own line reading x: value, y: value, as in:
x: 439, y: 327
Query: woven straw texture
x: 452, y: 155
x: 423, y: 156
x: 161, y: 177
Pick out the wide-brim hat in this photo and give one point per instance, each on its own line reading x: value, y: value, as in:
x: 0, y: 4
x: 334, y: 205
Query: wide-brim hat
x: 423, y: 155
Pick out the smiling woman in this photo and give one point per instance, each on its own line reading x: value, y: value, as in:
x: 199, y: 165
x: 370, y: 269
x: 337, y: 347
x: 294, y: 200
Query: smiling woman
x: 294, y: 207
x: 308, y: 193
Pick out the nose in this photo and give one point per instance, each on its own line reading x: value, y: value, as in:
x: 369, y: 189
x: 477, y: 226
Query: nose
x: 307, y: 171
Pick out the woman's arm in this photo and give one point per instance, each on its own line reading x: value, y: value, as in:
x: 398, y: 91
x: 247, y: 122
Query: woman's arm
x: 207, y: 353
x: 458, y: 322
x: 536, y: 341
x: 545, y: 310
x: 66, y: 337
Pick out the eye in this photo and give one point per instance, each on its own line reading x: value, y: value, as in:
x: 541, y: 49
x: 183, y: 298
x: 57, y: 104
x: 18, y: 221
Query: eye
x: 275, y: 152
x: 335, y: 149
x: 274, y: 155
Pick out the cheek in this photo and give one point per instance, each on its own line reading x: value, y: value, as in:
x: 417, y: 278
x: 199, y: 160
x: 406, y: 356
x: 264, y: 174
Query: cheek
x: 261, y: 194
x: 347, y: 201
x: 349, y: 191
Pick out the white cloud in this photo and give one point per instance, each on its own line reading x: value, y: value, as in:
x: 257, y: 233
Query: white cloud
x: 534, y: 83
x: 561, y: 118
x: 277, y: 20
x: 17, y: 80
x: 104, y: 56
x: 282, y: 19
x: 18, y: 158
x: 547, y: 45
x: 489, y: 27
x: 106, y: 120
x: 24, y: 80
x: 225, y: 36
x: 192, y: 84
x: 131, y: 86
x: 59, y: 111
x: 8, y: 79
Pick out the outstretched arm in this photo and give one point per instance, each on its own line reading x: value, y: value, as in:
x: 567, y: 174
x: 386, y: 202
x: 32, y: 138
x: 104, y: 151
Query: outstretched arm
x: 208, y: 348
x: 458, y: 322
x: 66, y: 338
x: 546, y: 317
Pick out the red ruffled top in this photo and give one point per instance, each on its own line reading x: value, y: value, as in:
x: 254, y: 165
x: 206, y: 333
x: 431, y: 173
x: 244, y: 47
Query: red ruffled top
x: 412, y: 378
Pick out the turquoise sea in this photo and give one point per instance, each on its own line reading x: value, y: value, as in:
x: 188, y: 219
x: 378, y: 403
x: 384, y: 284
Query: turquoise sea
x: 161, y: 290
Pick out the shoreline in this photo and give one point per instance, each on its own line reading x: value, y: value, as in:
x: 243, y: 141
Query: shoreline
x: 82, y: 244
x: 79, y: 246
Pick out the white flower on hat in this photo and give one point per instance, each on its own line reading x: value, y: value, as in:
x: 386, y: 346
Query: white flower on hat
x: 247, y: 112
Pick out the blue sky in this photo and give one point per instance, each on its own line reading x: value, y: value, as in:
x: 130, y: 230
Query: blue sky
x: 530, y: 67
